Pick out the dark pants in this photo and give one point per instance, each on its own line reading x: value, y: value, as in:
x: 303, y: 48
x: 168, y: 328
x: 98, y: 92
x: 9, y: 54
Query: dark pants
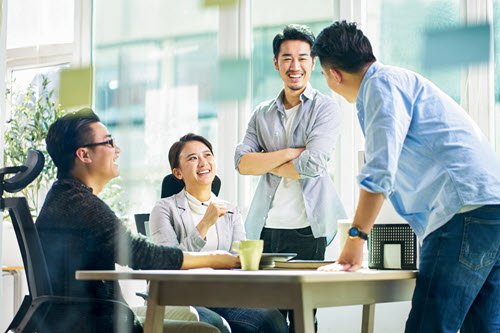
x: 300, y: 241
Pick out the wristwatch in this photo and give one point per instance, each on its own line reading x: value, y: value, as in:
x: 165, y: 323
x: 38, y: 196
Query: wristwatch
x: 354, y: 232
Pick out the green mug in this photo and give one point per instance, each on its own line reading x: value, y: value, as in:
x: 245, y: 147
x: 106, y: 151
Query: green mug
x: 250, y: 252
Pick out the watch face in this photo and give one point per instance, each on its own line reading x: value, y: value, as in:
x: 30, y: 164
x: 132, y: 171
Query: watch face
x: 353, y: 232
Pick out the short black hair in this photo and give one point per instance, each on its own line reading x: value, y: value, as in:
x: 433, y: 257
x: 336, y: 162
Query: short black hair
x: 66, y: 135
x: 292, y: 32
x: 343, y: 46
x: 175, y: 150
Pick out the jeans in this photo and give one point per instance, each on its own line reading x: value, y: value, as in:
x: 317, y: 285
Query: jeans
x: 458, y: 283
x: 212, y: 318
x: 244, y: 320
x: 300, y: 241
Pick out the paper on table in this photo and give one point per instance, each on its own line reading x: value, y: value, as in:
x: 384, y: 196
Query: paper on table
x: 392, y: 256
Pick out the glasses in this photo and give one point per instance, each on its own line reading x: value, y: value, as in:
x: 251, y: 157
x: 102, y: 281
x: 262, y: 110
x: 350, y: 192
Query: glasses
x: 109, y: 142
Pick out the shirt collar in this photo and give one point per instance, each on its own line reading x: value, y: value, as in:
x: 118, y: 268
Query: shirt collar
x: 308, y: 93
x: 369, y: 73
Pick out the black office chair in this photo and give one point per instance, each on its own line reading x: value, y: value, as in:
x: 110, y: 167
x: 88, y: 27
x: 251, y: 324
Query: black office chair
x: 41, y: 310
x: 169, y: 186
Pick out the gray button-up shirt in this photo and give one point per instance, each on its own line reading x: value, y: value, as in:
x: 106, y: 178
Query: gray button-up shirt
x: 316, y: 128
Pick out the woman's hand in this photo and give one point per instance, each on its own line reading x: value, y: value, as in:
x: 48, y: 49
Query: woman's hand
x: 214, y: 211
x: 350, y: 259
x: 215, y: 259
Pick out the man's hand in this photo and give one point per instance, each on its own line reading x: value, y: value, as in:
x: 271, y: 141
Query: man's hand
x: 224, y: 260
x: 350, y: 259
x: 258, y: 164
x: 215, y: 259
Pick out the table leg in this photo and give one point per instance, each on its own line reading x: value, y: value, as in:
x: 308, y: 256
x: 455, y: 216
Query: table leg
x: 154, y: 311
x: 368, y: 318
x: 303, y: 319
x: 18, y: 289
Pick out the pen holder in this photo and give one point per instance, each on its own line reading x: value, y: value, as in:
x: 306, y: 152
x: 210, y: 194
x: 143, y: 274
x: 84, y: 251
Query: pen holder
x: 392, y: 246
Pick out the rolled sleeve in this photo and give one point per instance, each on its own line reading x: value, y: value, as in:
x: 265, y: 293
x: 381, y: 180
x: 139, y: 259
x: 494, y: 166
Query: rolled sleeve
x: 250, y: 142
x: 387, y: 120
x: 320, y: 142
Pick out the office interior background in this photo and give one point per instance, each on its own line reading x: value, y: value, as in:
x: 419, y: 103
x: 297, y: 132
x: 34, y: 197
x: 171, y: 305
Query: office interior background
x: 155, y: 66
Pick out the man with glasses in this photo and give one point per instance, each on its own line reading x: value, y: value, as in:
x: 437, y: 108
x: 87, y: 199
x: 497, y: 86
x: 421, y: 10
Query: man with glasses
x: 288, y: 143
x: 78, y: 231
x: 427, y: 156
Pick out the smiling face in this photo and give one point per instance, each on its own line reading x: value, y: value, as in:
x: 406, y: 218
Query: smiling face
x: 295, y: 64
x: 196, y: 165
x: 103, y: 157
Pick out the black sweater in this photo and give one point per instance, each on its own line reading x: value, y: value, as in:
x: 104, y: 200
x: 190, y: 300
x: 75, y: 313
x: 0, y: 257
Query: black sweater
x: 78, y: 231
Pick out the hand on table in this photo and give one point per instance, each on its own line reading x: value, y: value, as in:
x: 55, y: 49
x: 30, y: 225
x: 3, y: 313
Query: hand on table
x: 350, y: 259
x: 215, y: 259
x: 222, y: 259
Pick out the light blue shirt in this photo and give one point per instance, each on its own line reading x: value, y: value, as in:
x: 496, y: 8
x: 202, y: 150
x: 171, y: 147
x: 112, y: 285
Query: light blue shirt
x: 316, y: 128
x: 422, y: 150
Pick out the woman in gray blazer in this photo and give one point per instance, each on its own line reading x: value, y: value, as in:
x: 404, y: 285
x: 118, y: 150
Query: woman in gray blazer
x: 196, y: 220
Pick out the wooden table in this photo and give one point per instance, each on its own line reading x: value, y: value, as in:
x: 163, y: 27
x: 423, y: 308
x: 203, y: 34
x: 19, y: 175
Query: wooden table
x: 16, y: 272
x: 301, y: 290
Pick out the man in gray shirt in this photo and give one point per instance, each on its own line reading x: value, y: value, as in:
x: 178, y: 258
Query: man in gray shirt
x: 288, y: 142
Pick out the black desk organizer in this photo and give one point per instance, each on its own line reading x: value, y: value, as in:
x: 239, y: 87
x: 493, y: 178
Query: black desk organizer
x: 402, y: 234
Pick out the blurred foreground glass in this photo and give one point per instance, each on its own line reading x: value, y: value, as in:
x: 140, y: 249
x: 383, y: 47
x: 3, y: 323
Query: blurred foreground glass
x: 155, y: 62
x: 397, y: 31
x: 496, y: 36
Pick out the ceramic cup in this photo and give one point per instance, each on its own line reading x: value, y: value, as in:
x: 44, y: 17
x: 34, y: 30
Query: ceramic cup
x: 250, y: 252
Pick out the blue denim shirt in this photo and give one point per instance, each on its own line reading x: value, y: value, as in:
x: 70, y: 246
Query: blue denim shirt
x: 422, y: 150
x: 316, y: 128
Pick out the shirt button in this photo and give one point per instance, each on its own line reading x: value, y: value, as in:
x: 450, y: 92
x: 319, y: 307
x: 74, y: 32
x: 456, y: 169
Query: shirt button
x: 276, y: 133
x: 270, y: 196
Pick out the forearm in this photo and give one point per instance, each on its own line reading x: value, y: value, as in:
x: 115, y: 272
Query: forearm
x: 215, y: 259
x: 286, y: 170
x: 369, y: 206
x: 195, y: 260
x: 260, y: 163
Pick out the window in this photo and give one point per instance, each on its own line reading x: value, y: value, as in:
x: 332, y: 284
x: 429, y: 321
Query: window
x: 496, y: 34
x: 155, y: 66
x: 397, y: 32
x: 269, y: 19
x: 39, y: 22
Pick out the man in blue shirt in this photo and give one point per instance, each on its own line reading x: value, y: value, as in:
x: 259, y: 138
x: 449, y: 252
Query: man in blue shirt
x: 427, y: 156
x: 288, y: 142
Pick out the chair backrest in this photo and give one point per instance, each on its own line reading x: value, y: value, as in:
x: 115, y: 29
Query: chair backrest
x: 140, y: 220
x: 171, y: 185
x: 27, y: 236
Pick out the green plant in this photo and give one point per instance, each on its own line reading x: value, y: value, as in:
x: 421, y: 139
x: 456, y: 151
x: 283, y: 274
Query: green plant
x: 31, y: 113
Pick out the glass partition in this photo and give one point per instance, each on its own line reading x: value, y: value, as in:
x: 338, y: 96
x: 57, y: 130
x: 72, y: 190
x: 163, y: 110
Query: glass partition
x: 155, y: 62
x: 397, y: 32
x: 496, y: 34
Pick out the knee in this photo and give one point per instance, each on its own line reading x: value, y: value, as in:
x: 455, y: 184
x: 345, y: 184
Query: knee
x: 274, y: 322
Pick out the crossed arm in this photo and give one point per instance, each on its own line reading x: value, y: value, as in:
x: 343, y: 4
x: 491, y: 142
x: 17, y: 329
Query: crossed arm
x: 277, y: 162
